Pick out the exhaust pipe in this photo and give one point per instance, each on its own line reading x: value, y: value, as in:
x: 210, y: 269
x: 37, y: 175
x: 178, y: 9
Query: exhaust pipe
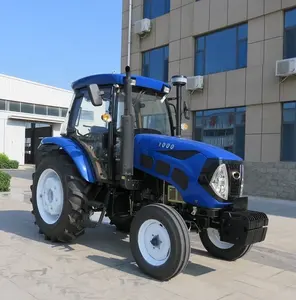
x: 127, y: 136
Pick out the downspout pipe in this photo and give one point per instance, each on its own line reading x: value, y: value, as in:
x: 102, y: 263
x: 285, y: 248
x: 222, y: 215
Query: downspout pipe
x: 129, y: 32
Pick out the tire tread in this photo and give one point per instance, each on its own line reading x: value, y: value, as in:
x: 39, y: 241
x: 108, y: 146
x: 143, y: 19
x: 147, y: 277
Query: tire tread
x: 76, y: 186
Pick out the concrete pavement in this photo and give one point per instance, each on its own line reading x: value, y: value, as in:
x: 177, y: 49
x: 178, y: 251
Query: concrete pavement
x: 100, y: 266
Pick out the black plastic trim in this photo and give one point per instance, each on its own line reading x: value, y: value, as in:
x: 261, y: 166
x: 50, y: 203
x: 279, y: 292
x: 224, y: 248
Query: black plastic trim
x: 180, y: 154
x: 162, y: 168
x: 180, y: 178
x: 146, y: 161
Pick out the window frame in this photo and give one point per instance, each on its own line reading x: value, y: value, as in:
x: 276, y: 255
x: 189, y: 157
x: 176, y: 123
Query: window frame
x: 167, y: 3
x: 282, y: 131
x: 166, y: 60
x: 238, y: 40
x: 289, y: 28
x: 235, y: 110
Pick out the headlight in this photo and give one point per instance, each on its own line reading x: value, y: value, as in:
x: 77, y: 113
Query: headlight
x: 219, y: 182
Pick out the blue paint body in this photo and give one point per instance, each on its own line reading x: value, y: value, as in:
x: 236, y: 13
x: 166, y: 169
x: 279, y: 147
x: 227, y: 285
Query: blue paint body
x: 150, y: 144
x: 195, y: 193
x: 76, y: 153
x: 110, y: 79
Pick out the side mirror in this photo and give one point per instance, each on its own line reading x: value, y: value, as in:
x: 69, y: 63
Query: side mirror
x: 186, y: 112
x: 95, y: 95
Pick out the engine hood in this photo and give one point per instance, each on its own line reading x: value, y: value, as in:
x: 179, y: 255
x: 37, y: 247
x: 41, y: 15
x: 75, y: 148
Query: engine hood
x: 180, y: 162
x: 155, y: 142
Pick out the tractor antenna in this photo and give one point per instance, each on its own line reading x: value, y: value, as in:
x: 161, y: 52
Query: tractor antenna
x: 179, y: 81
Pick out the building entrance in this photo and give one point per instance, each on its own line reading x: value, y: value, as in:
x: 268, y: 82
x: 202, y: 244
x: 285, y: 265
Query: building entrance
x: 35, y: 132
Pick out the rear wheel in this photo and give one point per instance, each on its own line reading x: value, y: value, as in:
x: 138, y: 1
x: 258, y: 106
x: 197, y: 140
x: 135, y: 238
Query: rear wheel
x: 160, y: 241
x: 58, y: 198
x: 210, y: 239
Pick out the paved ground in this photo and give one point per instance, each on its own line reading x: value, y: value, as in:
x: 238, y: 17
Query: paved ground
x: 100, y: 265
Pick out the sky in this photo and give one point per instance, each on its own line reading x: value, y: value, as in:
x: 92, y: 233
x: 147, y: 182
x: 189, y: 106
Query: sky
x: 55, y: 42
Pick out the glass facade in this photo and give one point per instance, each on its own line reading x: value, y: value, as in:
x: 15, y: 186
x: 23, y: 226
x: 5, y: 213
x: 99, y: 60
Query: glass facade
x: 156, y: 63
x: 233, y: 47
x: 156, y: 8
x: 224, y: 128
x: 30, y: 108
x: 290, y: 34
x: 288, y: 152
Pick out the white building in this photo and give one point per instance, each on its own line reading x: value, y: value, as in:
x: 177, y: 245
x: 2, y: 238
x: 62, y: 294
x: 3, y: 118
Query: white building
x: 28, y: 112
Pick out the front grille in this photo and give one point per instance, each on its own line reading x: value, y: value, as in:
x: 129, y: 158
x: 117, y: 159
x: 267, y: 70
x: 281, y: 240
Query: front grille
x: 235, y: 182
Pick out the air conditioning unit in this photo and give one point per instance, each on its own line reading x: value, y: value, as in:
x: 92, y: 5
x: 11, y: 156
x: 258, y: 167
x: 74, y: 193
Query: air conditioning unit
x: 195, y: 83
x: 285, y: 67
x: 142, y: 27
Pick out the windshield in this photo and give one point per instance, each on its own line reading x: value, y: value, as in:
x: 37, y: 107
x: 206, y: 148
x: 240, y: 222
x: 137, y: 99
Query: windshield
x: 88, y: 117
x: 148, y: 110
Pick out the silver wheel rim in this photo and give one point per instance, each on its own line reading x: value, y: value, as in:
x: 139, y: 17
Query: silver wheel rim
x: 50, y: 196
x: 214, y: 237
x: 154, y: 242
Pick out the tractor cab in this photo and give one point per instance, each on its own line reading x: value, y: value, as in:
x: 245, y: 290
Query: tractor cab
x: 94, y: 119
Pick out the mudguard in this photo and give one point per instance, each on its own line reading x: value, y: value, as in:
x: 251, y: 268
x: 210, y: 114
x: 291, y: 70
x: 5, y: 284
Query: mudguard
x: 76, y: 153
x: 179, y: 162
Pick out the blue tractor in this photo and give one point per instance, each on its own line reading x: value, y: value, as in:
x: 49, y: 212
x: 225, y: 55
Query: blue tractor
x: 135, y: 169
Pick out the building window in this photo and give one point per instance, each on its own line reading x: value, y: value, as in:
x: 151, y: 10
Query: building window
x: 2, y: 104
x: 156, y: 63
x: 27, y: 108
x: 224, y: 128
x: 156, y: 8
x: 288, y: 151
x: 53, y: 111
x: 14, y: 106
x: 290, y: 34
x: 222, y: 50
x: 40, y: 110
x: 64, y: 112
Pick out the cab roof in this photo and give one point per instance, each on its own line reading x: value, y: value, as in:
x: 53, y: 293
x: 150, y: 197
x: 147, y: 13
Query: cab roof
x: 110, y: 79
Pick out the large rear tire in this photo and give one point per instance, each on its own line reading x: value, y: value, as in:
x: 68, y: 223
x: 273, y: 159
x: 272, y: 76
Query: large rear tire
x: 160, y: 241
x: 210, y: 239
x: 58, y: 198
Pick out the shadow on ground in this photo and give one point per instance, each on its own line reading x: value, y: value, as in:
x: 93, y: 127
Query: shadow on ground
x: 104, y: 238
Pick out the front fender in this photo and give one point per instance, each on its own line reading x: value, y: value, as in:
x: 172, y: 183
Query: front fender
x: 76, y: 153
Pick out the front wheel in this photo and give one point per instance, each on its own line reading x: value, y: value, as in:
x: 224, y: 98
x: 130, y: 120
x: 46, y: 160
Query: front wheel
x: 210, y: 239
x: 160, y: 241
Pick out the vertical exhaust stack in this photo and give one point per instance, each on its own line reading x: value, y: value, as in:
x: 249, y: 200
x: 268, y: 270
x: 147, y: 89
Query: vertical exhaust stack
x: 179, y: 81
x: 127, y: 137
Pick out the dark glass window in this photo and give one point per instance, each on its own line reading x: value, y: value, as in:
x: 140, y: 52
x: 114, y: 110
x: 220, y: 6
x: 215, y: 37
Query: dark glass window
x: 156, y: 8
x: 224, y: 128
x: 64, y: 112
x: 222, y: 50
x: 2, y: 104
x: 290, y: 34
x: 14, y: 106
x: 27, y: 108
x: 40, y: 110
x: 53, y: 111
x: 156, y: 63
x: 288, y: 152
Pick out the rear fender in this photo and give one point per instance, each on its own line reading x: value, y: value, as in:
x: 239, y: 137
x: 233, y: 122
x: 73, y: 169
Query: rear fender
x: 76, y: 153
